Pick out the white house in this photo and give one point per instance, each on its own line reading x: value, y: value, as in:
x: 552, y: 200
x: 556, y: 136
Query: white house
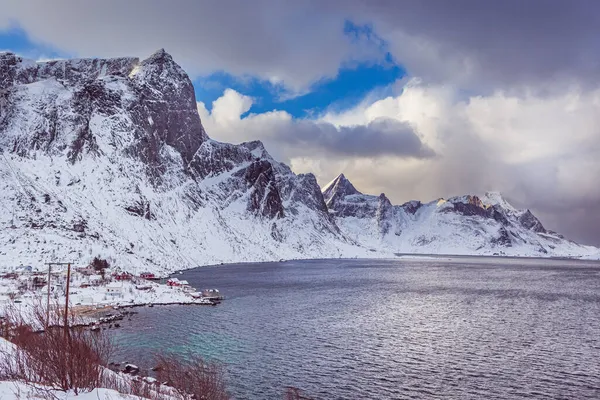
x: 114, y: 289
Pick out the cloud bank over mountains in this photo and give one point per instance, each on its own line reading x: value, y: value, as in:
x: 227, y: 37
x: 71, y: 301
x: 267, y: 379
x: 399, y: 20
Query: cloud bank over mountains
x: 498, y: 95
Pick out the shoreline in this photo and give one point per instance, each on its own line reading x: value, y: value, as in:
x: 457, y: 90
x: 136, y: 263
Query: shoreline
x: 399, y: 257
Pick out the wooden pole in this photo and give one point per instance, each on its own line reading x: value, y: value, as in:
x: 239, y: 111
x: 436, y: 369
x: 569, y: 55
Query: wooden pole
x: 48, y: 299
x: 67, y: 300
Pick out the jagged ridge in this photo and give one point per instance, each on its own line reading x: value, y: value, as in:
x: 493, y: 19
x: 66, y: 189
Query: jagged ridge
x: 460, y: 225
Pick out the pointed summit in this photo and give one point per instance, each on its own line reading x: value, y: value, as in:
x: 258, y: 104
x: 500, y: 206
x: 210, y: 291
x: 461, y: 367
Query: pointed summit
x: 159, y: 55
x: 159, y: 66
x: 496, y: 199
x: 338, y: 187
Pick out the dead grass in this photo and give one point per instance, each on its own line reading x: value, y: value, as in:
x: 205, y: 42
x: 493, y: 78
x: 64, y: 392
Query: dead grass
x: 58, y: 359
x: 192, y: 378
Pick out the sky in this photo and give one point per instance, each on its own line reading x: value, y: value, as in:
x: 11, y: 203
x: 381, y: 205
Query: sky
x: 419, y: 99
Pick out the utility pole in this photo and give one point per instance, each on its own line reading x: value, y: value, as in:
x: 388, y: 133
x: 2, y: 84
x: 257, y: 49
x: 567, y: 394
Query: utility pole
x: 48, y: 299
x: 67, y: 300
x: 67, y: 294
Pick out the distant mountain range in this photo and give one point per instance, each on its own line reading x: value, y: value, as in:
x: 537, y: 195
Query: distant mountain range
x: 108, y: 157
x: 486, y: 225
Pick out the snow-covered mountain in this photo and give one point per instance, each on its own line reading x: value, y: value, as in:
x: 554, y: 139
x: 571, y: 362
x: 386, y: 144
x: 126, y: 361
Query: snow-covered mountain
x: 109, y: 158
x: 486, y: 225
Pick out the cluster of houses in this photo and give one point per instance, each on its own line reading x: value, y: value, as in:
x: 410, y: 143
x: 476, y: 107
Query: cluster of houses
x: 25, y: 281
x: 174, y: 282
x: 107, y: 284
x: 113, y: 280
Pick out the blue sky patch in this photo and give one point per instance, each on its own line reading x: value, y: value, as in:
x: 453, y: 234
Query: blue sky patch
x: 346, y: 90
x: 15, y: 39
x: 353, y: 82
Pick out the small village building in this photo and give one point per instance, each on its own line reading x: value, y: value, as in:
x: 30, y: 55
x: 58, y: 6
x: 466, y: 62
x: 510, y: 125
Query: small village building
x: 91, y: 280
x: 173, y: 282
x: 39, y: 282
x: 212, y: 294
x: 122, y: 276
x: 27, y: 269
x: 114, y: 289
x: 89, y: 270
x: 148, y: 275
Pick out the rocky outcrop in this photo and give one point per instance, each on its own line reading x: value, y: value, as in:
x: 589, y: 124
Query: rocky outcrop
x: 529, y: 221
x: 384, y: 215
x: 264, y: 197
x: 59, y: 105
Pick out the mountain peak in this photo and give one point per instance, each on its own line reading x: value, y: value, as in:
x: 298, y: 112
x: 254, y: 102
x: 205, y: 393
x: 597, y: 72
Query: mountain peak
x: 340, y: 186
x: 159, y: 55
x: 496, y: 198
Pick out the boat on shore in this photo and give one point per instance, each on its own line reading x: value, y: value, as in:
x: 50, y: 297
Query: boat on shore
x: 212, y: 294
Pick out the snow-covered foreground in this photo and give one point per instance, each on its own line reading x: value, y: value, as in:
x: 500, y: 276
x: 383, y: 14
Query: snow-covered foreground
x: 15, y: 389
x: 20, y: 390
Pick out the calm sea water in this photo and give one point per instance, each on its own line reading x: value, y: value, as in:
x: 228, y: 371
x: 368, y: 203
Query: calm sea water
x: 353, y: 329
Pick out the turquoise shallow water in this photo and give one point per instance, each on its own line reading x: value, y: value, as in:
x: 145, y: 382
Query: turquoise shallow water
x: 369, y: 329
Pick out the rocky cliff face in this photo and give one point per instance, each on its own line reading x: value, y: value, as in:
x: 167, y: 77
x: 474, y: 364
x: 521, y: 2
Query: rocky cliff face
x: 75, y: 107
x: 109, y: 158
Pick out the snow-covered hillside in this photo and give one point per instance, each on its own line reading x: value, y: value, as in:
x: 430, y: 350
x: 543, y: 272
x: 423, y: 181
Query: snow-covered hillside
x: 109, y: 158
x: 486, y: 225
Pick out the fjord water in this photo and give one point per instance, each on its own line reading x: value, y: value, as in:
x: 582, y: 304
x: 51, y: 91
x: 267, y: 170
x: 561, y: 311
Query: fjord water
x: 462, y: 328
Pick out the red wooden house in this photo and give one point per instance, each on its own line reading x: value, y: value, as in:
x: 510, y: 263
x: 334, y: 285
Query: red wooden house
x: 148, y: 275
x: 122, y: 276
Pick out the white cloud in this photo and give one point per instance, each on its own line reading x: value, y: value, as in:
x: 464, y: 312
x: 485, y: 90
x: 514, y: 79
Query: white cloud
x: 287, y: 137
x: 541, y: 151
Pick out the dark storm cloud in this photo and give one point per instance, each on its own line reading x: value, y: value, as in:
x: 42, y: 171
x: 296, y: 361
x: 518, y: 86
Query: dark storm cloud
x: 499, y: 42
x: 281, y: 41
x: 382, y: 137
x: 486, y: 43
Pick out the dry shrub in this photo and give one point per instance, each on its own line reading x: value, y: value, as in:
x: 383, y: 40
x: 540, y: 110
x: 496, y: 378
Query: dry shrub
x: 56, y: 358
x: 125, y: 384
x: 192, y: 378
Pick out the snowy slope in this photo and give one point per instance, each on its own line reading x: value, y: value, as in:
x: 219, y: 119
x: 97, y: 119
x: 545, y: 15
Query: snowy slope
x: 118, y: 165
x: 460, y: 225
x: 109, y: 158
